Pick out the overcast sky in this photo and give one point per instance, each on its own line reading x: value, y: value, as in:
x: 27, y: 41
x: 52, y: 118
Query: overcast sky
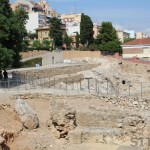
x: 128, y: 14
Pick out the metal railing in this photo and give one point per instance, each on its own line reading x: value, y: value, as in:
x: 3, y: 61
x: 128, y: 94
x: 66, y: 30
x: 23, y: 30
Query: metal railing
x: 75, y: 86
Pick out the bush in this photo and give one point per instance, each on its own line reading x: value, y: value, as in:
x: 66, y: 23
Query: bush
x: 93, y: 47
x: 37, y: 44
x: 32, y: 62
x: 44, y: 45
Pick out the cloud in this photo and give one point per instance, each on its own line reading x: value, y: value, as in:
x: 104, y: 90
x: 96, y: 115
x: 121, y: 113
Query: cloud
x: 147, y: 31
x: 118, y: 26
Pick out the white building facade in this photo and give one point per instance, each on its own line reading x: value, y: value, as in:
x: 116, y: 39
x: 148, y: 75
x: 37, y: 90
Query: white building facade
x: 139, y: 48
x: 36, y: 20
x: 72, y: 22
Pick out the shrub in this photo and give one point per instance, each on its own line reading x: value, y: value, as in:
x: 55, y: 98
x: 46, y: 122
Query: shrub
x: 32, y: 62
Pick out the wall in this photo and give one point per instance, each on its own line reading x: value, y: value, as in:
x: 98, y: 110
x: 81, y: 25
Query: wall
x: 32, y: 53
x: 52, y: 58
x: 26, y: 2
x: 80, y: 54
x: 136, y: 52
x: 32, y: 22
x: 140, y: 35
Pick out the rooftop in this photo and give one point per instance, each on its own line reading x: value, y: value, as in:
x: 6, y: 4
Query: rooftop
x: 144, y: 41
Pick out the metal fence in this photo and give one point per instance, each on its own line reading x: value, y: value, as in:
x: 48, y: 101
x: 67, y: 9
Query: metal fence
x: 73, y: 86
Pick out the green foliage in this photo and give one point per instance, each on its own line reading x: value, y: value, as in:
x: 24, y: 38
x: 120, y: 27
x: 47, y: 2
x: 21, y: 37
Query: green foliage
x: 77, y: 40
x: 37, y: 44
x: 25, y: 45
x: 56, y: 31
x: 17, y: 34
x: 5, y: 58
x: 46, y: 44
x: 111, y: 47
x: 128, y: 39
x: 5, y: 16
x: 32, y: 62
x: 12, y: 31
x: 68, y: 40
x: 93, y: 47
x: 32, y: 36
x: 107, y: 39
x: 86, y: 30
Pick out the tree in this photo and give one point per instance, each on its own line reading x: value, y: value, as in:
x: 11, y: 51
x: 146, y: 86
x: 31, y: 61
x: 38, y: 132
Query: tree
x: 128, y: 39
x: 12, y: 30
x: 46, y: 44
x: 107, y: 39
x: 86, y: 30
x: 37, y: 44
x: 77, y: 40
x: 67, y: 41
x: 56, y: 31
x: 6, y: 59
x: 32, y: 36
x: 5, y: 16
x: 17, y: 34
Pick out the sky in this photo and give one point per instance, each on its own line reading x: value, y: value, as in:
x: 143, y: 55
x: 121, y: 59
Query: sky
x: 124, y: 14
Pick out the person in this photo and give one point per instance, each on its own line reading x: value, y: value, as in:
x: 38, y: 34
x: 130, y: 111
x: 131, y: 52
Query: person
x: 5, y: 74
x: 1, y: 75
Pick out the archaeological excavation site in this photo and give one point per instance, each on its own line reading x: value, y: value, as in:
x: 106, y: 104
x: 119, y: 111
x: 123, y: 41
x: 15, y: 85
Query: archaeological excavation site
x: 86, y: 104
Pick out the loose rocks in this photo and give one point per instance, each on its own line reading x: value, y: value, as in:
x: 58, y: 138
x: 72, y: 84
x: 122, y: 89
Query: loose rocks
x: 27, y: 116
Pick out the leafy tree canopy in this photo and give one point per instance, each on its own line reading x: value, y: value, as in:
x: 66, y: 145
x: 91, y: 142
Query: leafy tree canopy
x: 56, y: 32
x: 6, y: 59
x: 86, y: 30
x: 128, y: 39
x: 107, y: 39
x: 67, y: 40
x: 12, y: 31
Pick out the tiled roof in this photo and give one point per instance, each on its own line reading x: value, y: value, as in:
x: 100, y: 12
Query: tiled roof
x: 144, y: 41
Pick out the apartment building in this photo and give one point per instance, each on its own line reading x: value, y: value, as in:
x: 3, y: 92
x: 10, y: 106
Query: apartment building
x: 39, y: 13
x: 36, y: 19
x: 43, y: 32
x: 139, y: 48
x: 96, y: 28
x: 122, y: 35
x: 72, y: 22
x: 140, y: 35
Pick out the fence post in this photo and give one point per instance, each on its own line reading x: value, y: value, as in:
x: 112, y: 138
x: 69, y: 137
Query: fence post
x: 17, y: 86
x: 49, y: 83
x: 118, y: 88
x: 54, y: 85
x: 60, y: 84
x: 141, y: 89
x: 66, y: 85
x: 96, y: 85
x: 8, y: 84
x: 89, y: 85
x: 80, y: 85
x: 107, y: 88
x: 129, y: 91
x: 25, y: 85
x: 72, y: 84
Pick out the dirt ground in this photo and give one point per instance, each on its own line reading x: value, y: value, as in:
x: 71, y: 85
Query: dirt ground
x: 42, y: 138
x: 92, y: 111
